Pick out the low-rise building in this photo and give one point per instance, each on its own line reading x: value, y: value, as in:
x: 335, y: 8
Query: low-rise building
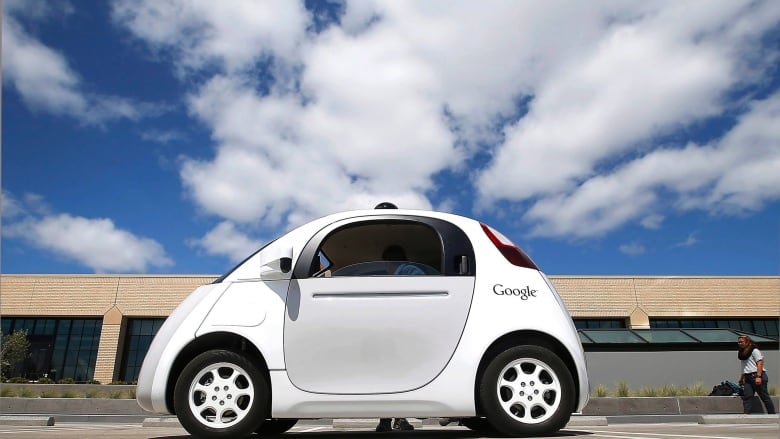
x: 99, y: 327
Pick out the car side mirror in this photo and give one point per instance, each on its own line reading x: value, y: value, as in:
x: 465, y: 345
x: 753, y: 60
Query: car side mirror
x: 276, y: 264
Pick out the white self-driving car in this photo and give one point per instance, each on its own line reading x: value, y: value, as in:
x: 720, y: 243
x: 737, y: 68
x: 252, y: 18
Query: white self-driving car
x: 369, y: 314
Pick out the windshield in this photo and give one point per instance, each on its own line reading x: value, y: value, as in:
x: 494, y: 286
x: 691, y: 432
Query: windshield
x: 222, y: 278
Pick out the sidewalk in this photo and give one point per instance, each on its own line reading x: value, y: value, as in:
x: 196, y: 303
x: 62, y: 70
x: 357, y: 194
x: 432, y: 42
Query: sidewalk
x: 430, y: 423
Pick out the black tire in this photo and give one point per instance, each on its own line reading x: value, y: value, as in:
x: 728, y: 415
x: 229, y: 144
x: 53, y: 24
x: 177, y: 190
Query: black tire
x: 527, y: 390
x: 232, y: 409
x: 275, y: 427
x: 480, y: 425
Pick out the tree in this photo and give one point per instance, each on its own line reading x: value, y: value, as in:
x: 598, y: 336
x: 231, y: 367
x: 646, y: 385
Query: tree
x: 14, y: 348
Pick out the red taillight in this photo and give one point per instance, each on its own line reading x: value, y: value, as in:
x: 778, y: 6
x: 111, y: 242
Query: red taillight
x: 511, y: 252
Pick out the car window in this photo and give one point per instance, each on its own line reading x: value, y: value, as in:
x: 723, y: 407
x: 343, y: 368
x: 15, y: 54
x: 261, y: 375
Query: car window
x: 382, y: 268
x: 380, y: 248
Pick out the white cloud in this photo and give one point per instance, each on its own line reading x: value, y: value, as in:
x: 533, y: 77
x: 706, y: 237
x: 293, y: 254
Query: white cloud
x: 45, y: 80
x: 40, y: 75
x: 652, y: 221
x: 642, y: 79
x: 226, y: 240
x: 11, y: 208
x: 632, y: 249
x: 735, y: 174
x: 690, y: 241
x: 201, y: 32
x: 402, y: 91
x: 277, y: 157
x: 93, y: 242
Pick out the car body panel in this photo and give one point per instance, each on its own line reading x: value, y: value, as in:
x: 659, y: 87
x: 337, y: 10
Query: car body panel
x: 423, y: 337
x: 262, y: 301
x: 373, y: 334
x: 175, y: 333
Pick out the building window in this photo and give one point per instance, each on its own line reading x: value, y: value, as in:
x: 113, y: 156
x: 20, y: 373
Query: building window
x: 59, y: 348
x: 764, y: 327
x: 600, y: 323
x: 140, y: 333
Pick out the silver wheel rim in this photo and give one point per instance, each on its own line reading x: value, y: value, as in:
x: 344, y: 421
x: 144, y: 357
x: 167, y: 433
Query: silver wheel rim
x: 221, y: 395
x: 529, y: 391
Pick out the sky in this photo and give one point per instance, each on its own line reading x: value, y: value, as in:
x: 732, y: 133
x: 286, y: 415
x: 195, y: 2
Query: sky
x: 603, y: 137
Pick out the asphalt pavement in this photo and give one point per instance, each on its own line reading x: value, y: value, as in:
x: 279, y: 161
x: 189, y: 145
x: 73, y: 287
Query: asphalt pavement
x: 668, y: 430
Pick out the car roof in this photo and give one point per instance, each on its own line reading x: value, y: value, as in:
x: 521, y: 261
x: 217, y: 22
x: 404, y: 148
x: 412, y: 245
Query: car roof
x: 391, y: 212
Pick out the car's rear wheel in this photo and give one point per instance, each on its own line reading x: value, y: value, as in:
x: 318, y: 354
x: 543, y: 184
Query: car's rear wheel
x: 527, y: 390
x: 221, y: 394
x: 273, y: 427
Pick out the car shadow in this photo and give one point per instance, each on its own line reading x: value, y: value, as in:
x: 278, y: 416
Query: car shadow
x: 417, y: 434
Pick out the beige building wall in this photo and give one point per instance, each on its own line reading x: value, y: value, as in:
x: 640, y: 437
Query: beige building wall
x: 637, y: 299
x: 114, y: 298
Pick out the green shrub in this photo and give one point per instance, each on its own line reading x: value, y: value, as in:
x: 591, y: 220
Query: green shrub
x: 773, y: 390
x: 45, y: 380
x: 18, y: 380
x: 600, y: 391
x: 93, y: 382
x: 669, y: 390
x: 694, y: 390
x: 131, y: 393
x: 70, y: 393
x: 7, y: 392
x: 118, y: 383
x: 67, y: 381
x: 622, y: 390
x: 26, y: 392
x: 93, y: 394
x: 649, y: 391
x: 50, y: 394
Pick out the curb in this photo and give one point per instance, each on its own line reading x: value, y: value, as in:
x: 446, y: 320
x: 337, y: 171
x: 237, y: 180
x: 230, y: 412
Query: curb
x: 370, y: 423
x: 27, y: 421
x: 587, y: 421
x: 739, y: 419
x: 161, y: 422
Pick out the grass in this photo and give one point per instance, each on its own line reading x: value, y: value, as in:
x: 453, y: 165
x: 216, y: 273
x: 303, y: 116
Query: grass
x: 601, y: 391
x: 6, y: 392
x: 33, y: 391
x: 26, y: 392
x: 623, y: 390
x: 93, y: 394
x: 69, y: 394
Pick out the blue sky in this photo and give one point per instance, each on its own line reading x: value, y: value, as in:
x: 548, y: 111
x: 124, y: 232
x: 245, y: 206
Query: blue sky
x: 606, y: 138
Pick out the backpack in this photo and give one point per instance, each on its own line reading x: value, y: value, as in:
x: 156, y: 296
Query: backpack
x: 721, y: 390
x: 736, y: 388
x: 726, y: 388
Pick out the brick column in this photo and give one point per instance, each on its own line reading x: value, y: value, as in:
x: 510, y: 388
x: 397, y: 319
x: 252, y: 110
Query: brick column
x: 106, y: 369
x: 639, y: 319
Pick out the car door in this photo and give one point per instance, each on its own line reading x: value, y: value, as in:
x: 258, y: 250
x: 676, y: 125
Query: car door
x: 354, y: 326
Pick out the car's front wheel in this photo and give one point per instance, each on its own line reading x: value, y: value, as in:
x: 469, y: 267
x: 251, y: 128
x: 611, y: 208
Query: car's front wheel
x: 221, y: 394
x: 527, y: 390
